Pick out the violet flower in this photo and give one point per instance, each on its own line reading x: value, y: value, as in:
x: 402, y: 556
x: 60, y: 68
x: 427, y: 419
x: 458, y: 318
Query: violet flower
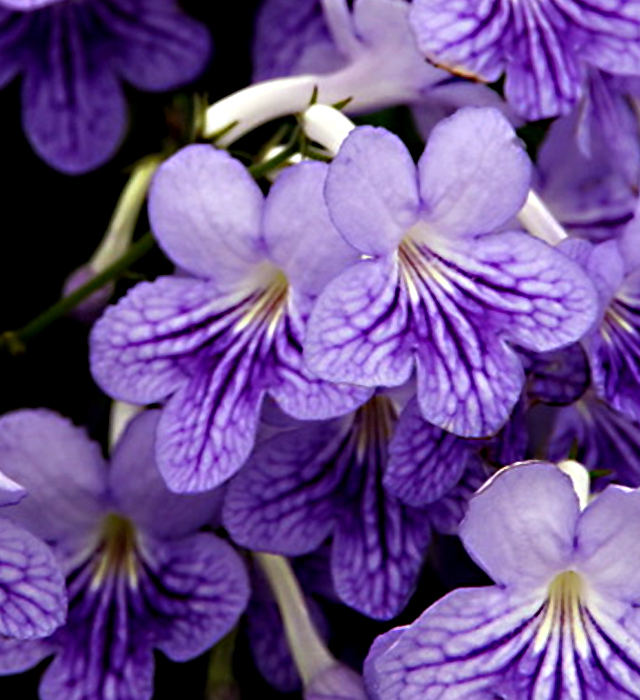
x: 562, y: 620
x: 215, y: 343
x: 33, y: 599
x: 328, y: 479
x: 445, y: 290
x: 544, y: 48
x: 139, y: 574
x: 73, y: 57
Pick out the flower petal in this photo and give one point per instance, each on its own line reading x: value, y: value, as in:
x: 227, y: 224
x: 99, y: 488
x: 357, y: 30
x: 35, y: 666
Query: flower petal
x: 474, y: 174
x: 205, y: 211
x: 74, y: 112
x: 371, y: 190
x: 140, y: 493
x: 358, y: 329
x: 425, y: 462
x: 10, y: 492
x: 300, y: 236
x: 62, y: 470
x: 157, y: 47
x: 284, y: 499
x: 520, y: 526
x: 33, y: 599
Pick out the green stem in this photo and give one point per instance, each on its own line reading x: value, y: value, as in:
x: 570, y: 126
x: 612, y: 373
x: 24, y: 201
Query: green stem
x: 15, y: 341
x: 260, y: 169
x: 220, y: 680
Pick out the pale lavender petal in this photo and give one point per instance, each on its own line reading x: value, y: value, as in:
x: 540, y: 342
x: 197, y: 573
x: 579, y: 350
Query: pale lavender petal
x: 463, y: 647
x: 425, y: 462
x: 139, y: 491
x: 156, y: 46
x: 358, y: 329
x: 74, y: 113
x: 474, y: 174
x: 62, y: 470
x: 286, y: 497
x: 372, y: 191
x: 300, y: 237
x: 535, y: 295
x: 607, y: 545
x: 33, y: 599
x: 511, y: 537
x: 135, y: 348
x: 10, y: 492
x: 205, y: 211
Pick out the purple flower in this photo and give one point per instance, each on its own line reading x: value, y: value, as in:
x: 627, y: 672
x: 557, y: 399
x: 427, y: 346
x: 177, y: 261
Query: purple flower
x: 33, y: 600
x: 544, y: 47
x: 562, y: 620
x: 441, y: 291
x: 329, y: 479
x: 73, y: 57
x: 139, y: 575
x: 215, y: 343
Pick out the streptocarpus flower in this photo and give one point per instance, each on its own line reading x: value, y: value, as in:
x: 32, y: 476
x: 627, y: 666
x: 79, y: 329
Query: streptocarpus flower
x: 73, y: 57
x: 215, y: 343
x: 544, y: 47
x: 33, y: 599
x: 445, y: 290
x: 327, y: 479
x: 139, y: 574
x: 562, y: 620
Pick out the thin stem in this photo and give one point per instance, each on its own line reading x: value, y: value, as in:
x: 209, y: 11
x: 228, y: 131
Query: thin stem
x: 307, y: 648
x: 261, y: 169
x: 15, y: 340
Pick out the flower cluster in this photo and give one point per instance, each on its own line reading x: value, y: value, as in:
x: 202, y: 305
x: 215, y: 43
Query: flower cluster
x: 377, y: 340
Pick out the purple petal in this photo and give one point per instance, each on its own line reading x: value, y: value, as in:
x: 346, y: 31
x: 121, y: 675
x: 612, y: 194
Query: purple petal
x: 62, y: 470
x: 464, y: 646
x: 296, y: 389
x: 474, y: 174
x: 607, y: 527
x: 425, y: 462
x: 613, y: 350
x: 447, y: 34
x: 157, y: 47
x: 371, y: 190
x: 205, y: 211
x: 74, y: 113
x: 139, y: 491
x: 511, y: 536
x: 33, y: 598
x: 284, y: 499
x: 300, y: 236
x: 27, y: 5
x: 13, y: 28
x: 10, y: 492
x: 135, y: 347
x: 18, y: 655
x: 208, y: 427
x: 357, y: 331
